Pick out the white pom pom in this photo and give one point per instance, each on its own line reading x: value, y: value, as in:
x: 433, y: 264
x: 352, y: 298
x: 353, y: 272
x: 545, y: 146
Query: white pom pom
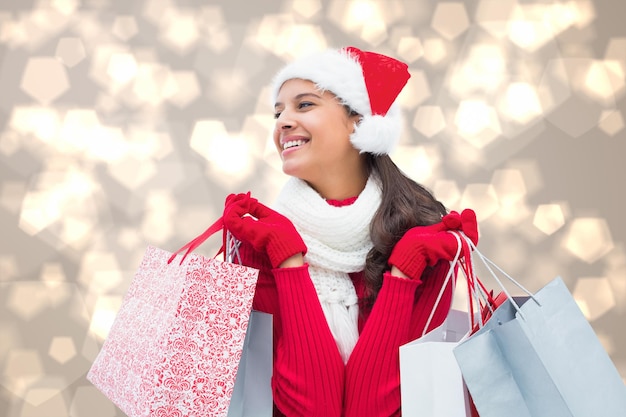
x: 378, y: 134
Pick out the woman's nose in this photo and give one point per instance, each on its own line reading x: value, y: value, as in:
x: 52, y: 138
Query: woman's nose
x: 284, y: 121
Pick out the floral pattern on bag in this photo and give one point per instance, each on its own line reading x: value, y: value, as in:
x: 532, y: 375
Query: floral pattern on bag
x: 175, y: 345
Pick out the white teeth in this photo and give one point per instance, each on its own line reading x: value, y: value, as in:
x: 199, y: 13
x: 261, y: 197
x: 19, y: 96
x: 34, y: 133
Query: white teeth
x: 293, y: 143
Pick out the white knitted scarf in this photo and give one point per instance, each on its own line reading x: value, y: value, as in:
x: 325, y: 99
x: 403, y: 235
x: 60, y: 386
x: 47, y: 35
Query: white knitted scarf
x: 338, y: 241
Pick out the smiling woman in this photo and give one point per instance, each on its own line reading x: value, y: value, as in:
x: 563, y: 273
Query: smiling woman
x: 101, y: 156
x: 353, y: 253
x: 311, y: 127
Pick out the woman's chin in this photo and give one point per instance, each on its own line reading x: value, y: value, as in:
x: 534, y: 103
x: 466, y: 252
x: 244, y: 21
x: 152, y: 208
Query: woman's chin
x: 291, y: 169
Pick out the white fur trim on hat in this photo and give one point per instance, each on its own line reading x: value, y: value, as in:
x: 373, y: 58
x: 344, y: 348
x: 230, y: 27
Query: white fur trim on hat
x: 332, y: 70
x: 378, y: 134
x: 341, y: 73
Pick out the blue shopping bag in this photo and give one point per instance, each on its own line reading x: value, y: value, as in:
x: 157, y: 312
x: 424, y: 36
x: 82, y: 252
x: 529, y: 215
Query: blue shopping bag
x: 252, y: 394
x: 538, y: 356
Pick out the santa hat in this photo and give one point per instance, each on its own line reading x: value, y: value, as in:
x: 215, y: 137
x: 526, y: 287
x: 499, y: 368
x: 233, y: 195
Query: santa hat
x: 367, y: 82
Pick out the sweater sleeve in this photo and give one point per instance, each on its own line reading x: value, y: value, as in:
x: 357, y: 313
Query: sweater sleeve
x: 426, y: 298
x: 398, y: 316
x: 308, y: 372
x: 372, y: 372
x: 308, y: 377
x: 265, y: 296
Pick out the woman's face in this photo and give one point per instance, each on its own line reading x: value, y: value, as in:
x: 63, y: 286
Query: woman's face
x: 312, y: 133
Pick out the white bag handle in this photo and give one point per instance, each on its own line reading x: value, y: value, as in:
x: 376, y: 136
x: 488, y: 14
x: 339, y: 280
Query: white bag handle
x: 232, y: 248
x: 488, y: 263
x: 445, y: 283
x: 476, y: 292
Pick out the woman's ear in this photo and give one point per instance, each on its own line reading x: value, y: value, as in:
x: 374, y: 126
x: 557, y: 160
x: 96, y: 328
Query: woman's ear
x: 355, y: 118
x: 355, y: 124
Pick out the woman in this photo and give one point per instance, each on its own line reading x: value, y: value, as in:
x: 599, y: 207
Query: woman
x: 354, y: 253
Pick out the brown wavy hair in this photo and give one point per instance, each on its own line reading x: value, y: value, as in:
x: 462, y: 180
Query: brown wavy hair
x: 404, y: 204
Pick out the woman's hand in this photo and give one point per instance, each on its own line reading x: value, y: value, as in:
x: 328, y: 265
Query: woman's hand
x: 423, y: 246
x: 464, y: 222
x: 265, y: 229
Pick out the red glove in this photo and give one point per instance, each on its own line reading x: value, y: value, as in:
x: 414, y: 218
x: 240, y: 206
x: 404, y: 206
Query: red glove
x: 267, y: 231
x: 464, y: 222
x: 423, y: 246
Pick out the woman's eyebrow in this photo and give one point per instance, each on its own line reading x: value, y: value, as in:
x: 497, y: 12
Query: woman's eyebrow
x: 301, y: 95
x: 298, y: 97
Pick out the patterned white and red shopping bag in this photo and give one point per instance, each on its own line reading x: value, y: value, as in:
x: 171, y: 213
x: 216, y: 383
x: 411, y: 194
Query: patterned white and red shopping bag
x: 176, y: 342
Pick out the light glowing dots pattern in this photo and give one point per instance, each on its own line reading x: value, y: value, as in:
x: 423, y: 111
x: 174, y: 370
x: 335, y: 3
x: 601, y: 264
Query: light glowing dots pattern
x: 602, y: 81
x: 22, y: 367
x: 483, y: 71
x: 435, y: 51
x: 179, y: 30
x: 447, y: 191
x: 45, y: 79
x: 43, y: 122
x: 533, y: 25
x: 307, y: 8
x: 477, y: 122
x: 36, y: 397
x: 594, y: 296
x: 125, y: 27
x: 611, y: 122
x: 416, y: 91
x: 450, y: 19
x: 549, y: 218
x: 62, y: 349
x: 429, y: 120
x: 283, y: 36
x: 521, y: 103
x: 588, y: 238
x: 569, y: 81
x: 227, y: 154
x: 186, y: 88
x: 494, y: 16
x: 132, y: 171
x: 52, y: 274
x: 482, y: 198
x: 84, y: 400
x: 157, y: 225
x: 104, y: 312
x: 62, y: 203
x: 510, y: 187
x: 122, y: 68
x: 123, y: 125
x: 8, y: 267
x: 81, y: 134
x: 616, y: 51
x: 45, y: 363
x: 410, y: 48
x: 418, y: 162
x: 70, y: 51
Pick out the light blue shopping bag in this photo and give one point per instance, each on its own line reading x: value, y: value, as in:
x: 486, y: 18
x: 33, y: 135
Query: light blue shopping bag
x: 252, y: 394
x: 538, y: 356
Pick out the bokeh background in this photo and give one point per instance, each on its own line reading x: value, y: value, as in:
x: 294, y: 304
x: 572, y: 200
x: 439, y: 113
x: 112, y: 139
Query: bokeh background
x: 126, y: 123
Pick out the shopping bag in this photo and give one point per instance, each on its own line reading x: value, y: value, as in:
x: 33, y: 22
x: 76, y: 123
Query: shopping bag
x: 538, y: 356
x: 431, y: 383
x: 252, y: 394
x: 176, y: 342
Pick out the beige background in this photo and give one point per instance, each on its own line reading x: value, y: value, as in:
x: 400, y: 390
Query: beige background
x: 126, y: 123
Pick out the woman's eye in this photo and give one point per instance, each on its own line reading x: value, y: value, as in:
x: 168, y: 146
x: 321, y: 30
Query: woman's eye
x: 276, y: 115
x: 304, y: 104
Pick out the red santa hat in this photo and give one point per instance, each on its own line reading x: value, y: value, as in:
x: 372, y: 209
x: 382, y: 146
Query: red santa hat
x: 367, y: 82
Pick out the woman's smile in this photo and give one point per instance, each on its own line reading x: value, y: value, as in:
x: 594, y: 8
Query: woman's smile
x: 292, y: 143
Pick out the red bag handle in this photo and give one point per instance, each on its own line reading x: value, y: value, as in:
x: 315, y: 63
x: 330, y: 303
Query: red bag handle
x: 194, y: 243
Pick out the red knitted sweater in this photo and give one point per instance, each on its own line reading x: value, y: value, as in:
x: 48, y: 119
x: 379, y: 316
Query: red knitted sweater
x: 309, y: 377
